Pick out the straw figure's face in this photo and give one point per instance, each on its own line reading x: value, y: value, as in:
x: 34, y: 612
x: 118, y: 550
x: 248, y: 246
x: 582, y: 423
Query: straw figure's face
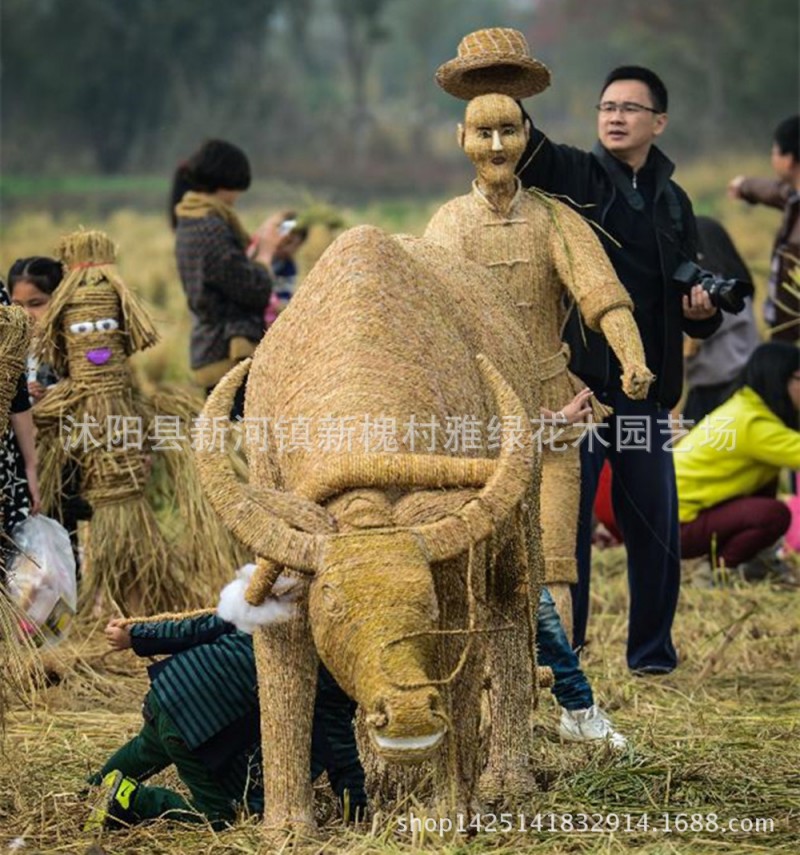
x: 493, y: 137
x: 93, y: 322
x: 373, y: 611
x: 94, y: 339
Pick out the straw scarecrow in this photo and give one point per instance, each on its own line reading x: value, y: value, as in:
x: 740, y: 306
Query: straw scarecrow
x: 98, y: 417
x: 539, y: 252
x: 14, y: 340
x: 398, y: 595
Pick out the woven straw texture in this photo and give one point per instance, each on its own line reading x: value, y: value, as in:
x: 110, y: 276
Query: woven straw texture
x: 538, y: 251
x: 399, y: 608
x: 493, y: 60
x: 532, y: 253
x: 129, y: 560
x: 14, y: 338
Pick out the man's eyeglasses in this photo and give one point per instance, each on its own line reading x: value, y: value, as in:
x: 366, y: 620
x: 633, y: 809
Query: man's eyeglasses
x: 626, y: 107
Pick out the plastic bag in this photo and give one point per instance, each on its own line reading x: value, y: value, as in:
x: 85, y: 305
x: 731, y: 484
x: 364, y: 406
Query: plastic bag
x: 41, y: 579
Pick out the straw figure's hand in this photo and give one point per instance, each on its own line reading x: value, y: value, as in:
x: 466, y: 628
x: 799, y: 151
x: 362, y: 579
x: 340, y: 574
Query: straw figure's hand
x: 117, y: 636
x: 636, y: 380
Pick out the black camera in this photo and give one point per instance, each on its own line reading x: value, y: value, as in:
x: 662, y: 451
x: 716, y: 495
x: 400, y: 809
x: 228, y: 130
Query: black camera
x: 725, y: 294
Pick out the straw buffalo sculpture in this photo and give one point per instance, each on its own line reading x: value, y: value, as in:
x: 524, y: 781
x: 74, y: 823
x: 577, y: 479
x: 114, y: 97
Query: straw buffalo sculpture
x: 416, y: 568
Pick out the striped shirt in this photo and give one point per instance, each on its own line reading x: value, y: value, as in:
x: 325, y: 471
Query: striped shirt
x: 209, y: 681
x: 208, y: 688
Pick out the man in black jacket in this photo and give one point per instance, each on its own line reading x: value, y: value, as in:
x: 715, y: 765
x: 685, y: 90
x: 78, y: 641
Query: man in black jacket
x: 648, y: 228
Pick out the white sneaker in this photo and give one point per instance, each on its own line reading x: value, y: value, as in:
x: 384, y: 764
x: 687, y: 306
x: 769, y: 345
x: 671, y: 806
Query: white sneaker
x: 590, y: 725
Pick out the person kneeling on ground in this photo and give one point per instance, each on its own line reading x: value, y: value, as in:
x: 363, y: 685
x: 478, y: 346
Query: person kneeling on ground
x: 201, y: 715
x: 581, y: 719
x: 728, y: 465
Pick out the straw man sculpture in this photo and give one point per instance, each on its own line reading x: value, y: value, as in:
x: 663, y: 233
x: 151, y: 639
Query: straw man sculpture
x: 97, y: 417
x: 539, y: 252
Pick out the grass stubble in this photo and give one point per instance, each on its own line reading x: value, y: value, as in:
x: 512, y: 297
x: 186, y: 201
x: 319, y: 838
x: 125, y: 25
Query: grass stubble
x: 718, y: 736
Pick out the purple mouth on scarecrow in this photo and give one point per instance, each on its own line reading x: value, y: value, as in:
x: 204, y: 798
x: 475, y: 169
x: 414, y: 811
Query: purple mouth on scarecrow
x: 99, y: 356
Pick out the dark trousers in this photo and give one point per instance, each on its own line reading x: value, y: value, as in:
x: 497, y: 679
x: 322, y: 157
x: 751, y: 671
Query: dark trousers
x: 742, y: 528
x: 215, y: 796
x: 645, y: 501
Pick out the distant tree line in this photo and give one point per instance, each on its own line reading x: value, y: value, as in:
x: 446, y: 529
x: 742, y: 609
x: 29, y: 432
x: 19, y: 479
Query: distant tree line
x: 328, y: 91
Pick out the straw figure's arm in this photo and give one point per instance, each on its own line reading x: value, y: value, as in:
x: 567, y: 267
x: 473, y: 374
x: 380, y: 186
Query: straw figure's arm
x: 604, y: 303
x: 622, y: 335
x: 53, y: 446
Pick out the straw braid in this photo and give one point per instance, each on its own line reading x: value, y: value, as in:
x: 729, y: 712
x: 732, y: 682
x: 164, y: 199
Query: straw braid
x: 15, y: 330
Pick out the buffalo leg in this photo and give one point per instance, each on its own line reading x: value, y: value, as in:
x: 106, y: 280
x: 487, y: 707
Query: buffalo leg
x: 457, y: 766
x: 287, y: 683
x: 510, y: 644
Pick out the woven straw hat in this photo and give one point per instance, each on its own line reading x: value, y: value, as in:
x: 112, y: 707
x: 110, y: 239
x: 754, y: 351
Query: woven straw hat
x: 493, y: 60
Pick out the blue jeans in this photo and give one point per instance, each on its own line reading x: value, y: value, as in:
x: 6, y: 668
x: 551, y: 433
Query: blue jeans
x: 571, y: 688
x: 645, y: 500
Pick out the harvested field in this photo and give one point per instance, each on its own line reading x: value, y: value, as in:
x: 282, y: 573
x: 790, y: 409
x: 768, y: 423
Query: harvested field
x: 714, y: 746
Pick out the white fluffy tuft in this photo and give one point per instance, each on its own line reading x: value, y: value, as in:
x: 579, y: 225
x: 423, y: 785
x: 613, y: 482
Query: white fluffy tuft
x: 234, y: 608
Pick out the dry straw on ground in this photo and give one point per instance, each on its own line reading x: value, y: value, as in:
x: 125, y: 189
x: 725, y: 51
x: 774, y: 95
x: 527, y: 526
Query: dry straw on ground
x: 705, y: 740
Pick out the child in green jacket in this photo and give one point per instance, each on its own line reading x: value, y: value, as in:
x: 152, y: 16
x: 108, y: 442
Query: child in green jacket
x: 201, y: 715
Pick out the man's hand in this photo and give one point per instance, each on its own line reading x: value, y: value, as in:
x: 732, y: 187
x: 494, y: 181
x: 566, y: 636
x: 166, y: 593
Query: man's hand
x: 697, y: 305
x: 576, y: 410
x: 636, y: 380
x: 36, y: 390
x: 117, y: 636
x: 735, y: 187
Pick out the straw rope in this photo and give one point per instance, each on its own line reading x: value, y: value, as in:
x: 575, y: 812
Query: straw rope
x: 166, y: 616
